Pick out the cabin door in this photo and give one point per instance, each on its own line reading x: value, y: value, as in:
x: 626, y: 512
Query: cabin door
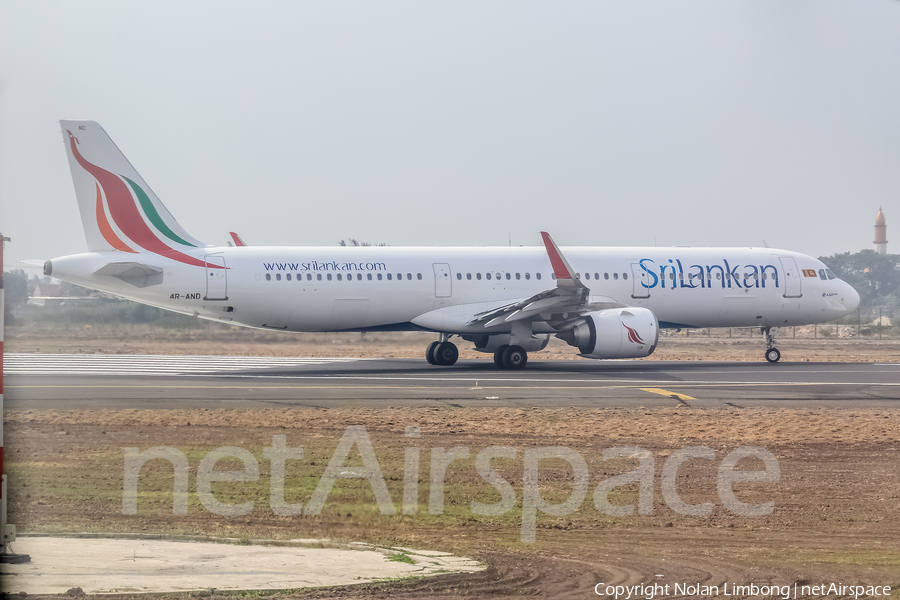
x: 216, y: 278
x: 641, y: 279
x: 443, y: 286
x: 792, y: 282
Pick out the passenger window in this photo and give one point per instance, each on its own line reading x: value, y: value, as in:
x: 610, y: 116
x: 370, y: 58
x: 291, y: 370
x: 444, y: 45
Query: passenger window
x: 309, y: 276
x: 552, y: 275
x: 399, y: 276
x: 518, y: 276
x: 369, y: 276
x: 615, y: 276
x: 469, y: 276
x: 487, y: 275
x: 459, y: 276
x: 268, y: 277
x: 672, y: 276
x: 478, y: 276
x: 328, y: 277
x: 389, y: 276
x: 718, y: 276
x: 379, y: 276
x: 596, y: 275
x: 278, y: 277
x: 409, y: 276
x: 319, y: 276
x: 339, y: 276
x: 537, y: 276
x: 508, y: 276
x: 288, y: 276
x: 624, y: 275
x: 419, y: 276
x: 527, y: 276
x: 587, y: 275
x: 606, y: 276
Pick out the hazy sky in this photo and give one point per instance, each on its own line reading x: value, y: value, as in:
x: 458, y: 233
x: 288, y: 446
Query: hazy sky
x: 457, y: 123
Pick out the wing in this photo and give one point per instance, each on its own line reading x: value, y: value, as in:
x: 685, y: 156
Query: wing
x: 559, y: 306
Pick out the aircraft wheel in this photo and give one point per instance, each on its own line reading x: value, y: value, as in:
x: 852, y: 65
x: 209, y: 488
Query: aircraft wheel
x: 446, y: 354
x: 515, y: 358
x: 498, y: 356
x: 773, y: 355
x: 429, y: 353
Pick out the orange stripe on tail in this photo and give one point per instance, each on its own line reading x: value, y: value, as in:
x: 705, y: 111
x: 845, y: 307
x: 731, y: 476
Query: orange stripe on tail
x: 108, y: 234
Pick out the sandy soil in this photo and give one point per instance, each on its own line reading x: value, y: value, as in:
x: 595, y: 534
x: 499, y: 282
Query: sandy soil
x: 834, y: 518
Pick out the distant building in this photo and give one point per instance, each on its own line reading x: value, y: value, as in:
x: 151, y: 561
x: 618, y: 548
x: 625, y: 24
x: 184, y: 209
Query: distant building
x: 46, y: 293
x: 880, y: 233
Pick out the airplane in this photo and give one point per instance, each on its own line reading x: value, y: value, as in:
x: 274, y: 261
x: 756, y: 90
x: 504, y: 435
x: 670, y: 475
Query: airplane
x: 607, y: 302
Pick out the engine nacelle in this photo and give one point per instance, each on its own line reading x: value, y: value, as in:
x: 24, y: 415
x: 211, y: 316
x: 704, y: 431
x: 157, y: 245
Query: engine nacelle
x: 615, y: 333
x: 490, y: 343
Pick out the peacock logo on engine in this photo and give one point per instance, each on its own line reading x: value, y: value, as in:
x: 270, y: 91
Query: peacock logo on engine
x: 633, y: 336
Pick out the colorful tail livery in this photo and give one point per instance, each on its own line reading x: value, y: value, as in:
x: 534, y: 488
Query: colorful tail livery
x: 118, y: 209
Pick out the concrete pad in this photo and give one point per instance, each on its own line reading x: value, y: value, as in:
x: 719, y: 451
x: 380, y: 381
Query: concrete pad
x: 106, y: 566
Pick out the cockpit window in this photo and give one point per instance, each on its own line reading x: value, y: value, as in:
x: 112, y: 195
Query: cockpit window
x: 830, y: 274
x: 822, y: 274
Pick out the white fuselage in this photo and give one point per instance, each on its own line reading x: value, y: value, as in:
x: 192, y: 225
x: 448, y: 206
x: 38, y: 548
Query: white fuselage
x: 441, y: 288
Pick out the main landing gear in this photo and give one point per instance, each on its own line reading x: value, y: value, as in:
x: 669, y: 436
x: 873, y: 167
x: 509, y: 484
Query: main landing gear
x: 772, y: 353
x: 510, y: 357
x: 442, y: 352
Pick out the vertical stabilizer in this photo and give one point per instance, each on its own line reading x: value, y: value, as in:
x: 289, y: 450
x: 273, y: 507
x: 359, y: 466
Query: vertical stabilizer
x: 118, y: 209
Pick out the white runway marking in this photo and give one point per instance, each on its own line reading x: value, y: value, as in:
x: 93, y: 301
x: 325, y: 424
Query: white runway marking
x: 149, y: 364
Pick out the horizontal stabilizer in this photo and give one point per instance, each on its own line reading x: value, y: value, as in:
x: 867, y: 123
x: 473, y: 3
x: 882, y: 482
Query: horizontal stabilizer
x: 31, y: 262
x: 132, y: 273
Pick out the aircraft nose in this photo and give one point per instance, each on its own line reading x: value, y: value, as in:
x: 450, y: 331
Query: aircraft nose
x: 851, y: 297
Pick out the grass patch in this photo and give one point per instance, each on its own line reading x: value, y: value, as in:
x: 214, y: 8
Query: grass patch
x: 402, y: 557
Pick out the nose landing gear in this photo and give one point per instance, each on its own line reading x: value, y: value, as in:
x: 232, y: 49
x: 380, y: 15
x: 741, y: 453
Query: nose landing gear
x: 773, y: 355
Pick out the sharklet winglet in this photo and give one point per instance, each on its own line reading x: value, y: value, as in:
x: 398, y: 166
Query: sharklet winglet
x: 565, y: 275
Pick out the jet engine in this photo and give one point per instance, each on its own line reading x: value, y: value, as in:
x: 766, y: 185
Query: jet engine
x: 614, y: 333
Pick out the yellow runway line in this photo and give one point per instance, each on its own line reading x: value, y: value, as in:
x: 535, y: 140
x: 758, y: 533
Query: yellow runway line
x: 667, y: 393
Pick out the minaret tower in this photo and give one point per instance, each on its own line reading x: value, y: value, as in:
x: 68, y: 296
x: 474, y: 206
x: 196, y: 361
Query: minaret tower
x: 880, y: 233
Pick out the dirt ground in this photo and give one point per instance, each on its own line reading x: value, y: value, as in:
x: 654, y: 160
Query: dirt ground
x: 834, y: 518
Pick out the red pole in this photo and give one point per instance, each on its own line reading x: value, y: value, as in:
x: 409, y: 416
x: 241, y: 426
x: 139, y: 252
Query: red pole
x: 3, y: 536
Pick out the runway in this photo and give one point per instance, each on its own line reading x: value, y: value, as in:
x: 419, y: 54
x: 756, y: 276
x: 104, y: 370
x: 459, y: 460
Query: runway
x: 93, y: 381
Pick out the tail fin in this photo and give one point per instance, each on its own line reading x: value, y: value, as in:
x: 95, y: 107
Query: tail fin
x: 119, y: 211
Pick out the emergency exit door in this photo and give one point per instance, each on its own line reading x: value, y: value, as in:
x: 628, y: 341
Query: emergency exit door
x: 443, y: 286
